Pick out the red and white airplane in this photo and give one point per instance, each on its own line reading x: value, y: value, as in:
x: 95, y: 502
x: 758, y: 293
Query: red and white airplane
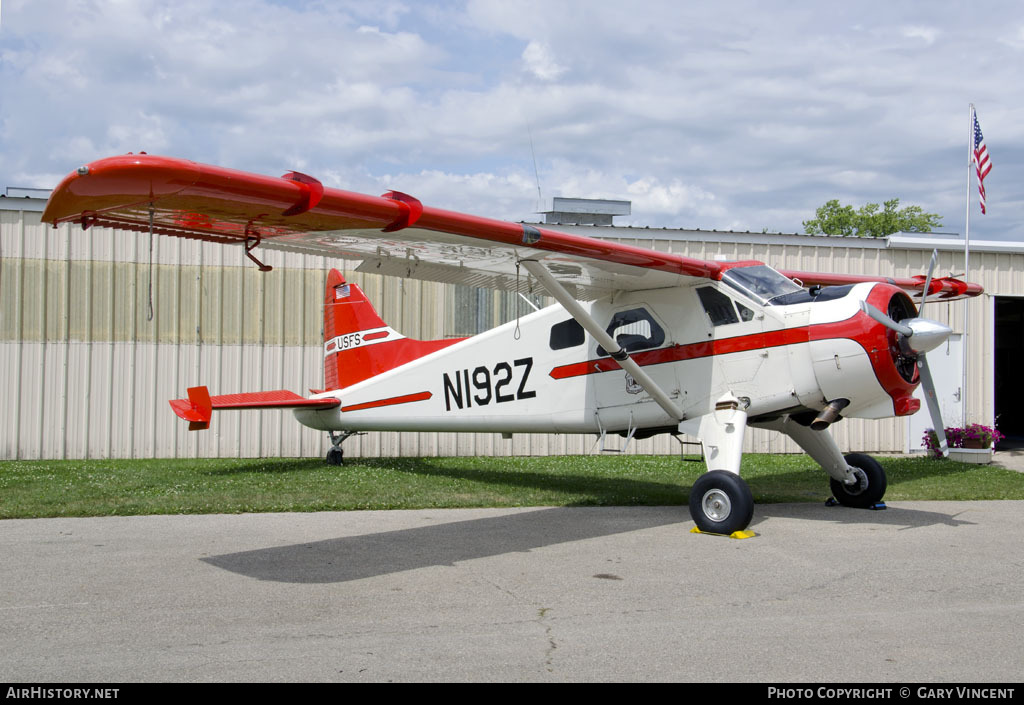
x: 640, y: 342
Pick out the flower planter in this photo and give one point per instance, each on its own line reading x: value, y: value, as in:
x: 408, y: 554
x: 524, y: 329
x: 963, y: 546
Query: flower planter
x: 968, y: 444
x: 979, y: 456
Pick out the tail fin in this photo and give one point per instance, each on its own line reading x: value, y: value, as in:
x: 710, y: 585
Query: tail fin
x: 358, y: 344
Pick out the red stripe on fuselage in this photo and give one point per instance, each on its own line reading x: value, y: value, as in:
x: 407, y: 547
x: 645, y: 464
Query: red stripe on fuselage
x: 857, y: 328
x: 860, y: 328
x: 391, y: 401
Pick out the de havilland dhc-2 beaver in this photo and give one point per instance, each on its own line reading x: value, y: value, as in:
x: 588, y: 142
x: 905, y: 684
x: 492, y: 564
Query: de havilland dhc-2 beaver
x: 640, y: 342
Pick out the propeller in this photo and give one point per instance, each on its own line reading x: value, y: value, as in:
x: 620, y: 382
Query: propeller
x: 917, y: 336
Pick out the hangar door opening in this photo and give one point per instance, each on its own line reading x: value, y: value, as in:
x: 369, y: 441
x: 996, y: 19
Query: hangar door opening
x: 1009, y: 373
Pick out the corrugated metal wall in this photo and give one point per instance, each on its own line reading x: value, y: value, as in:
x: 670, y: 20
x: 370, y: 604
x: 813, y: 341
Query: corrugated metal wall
x: 87, y: 373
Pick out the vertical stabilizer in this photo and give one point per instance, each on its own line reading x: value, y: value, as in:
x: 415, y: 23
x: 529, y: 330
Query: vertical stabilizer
x: 358, y: 344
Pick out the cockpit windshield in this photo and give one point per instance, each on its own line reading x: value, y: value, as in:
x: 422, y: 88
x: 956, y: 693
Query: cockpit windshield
x: 760, y: 282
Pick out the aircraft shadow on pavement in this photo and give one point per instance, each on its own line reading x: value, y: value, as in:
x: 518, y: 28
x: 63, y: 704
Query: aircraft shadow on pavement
x: 901, y: 517
x: 369, y: 555
x: 356, y: 557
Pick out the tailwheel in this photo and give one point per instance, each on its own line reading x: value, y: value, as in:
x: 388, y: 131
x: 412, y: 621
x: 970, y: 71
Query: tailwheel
x: 721, y: 502
x: 335, y: 456
x: 869, y: 488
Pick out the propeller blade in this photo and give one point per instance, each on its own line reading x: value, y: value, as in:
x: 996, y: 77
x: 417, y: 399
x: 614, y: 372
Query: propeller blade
x: 903, y: 330
x: 928, y: 282
x: 928, y: 385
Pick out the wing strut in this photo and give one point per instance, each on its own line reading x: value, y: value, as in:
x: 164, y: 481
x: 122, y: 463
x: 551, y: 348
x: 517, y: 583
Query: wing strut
x: 616, y: 352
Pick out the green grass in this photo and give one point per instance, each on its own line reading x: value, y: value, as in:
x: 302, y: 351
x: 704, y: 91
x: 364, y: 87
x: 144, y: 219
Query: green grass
x: 53, y: 488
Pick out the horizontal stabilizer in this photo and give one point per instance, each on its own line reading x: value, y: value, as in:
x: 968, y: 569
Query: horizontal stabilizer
x: 199, y: 407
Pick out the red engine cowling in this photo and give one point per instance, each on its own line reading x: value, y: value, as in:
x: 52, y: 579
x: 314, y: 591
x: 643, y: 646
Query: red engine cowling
x: 896, y: 371
x: 860, y: 360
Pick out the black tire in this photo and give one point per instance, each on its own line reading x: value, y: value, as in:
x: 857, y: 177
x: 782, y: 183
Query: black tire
x: 721, y: 502
x: 335, y: 456
x: 871, y: 485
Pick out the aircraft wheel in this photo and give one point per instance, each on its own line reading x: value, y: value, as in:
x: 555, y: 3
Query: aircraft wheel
x: 721, y: 502
x: 335, y: 456
x: 870, y: 487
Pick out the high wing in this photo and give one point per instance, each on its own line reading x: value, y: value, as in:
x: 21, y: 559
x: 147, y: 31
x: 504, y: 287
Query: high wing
x: 393, y: 234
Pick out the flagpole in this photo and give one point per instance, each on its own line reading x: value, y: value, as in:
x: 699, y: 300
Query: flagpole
x: 964, y: 346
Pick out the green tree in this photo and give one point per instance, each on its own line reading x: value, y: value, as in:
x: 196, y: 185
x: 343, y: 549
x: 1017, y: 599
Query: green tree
x: 871, y: 221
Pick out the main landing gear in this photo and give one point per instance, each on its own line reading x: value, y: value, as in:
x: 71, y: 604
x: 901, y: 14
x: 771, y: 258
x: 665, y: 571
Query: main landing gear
x: 869, y: 488
x: 721, y: 503
x: 856, y: 480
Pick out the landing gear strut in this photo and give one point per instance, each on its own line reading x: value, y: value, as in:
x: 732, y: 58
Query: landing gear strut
x: 857, y: 480
x: 869, y: 488
x: 721, y: 502
x: 336, y: 456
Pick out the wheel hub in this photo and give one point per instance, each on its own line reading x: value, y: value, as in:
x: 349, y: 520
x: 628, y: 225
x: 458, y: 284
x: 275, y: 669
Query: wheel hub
x: 716, y: 505
x: 861, y: 484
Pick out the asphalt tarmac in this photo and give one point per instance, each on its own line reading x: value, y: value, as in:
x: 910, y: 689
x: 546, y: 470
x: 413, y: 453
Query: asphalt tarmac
x: 922, y: 591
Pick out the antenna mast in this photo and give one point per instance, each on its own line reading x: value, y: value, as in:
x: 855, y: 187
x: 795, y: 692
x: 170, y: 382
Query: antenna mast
x: 536, y: 173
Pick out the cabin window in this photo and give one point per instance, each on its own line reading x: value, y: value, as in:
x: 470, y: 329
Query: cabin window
x: 745, y: 313
x: 718, y: 306
x: 567, y: 334
x: 634, y: 330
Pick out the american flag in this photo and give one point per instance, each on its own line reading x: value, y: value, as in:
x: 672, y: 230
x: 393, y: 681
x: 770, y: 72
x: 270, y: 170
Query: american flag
x: 981, y: 160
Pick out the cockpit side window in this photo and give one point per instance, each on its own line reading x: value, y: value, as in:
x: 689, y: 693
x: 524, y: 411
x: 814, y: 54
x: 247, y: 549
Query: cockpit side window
x: 567, y: 334
x: 718, y: 306
x: 634, y: 329
x: 745, y: 313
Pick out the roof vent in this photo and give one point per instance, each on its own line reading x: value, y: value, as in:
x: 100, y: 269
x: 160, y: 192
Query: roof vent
x: 585, y: 211
x: 18, y: 192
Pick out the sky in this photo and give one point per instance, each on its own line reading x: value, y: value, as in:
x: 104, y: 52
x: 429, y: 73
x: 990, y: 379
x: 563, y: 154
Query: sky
x: 730, y: 116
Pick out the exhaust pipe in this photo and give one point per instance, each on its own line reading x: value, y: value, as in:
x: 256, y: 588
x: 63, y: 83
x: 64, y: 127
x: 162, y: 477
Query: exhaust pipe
x: 830, y: 414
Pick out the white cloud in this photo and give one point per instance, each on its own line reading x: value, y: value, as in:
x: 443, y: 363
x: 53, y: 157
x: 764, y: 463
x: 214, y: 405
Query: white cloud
x: 510, y: 196
x: 926, y: 34
x: 538, y: 60
x: 1013, y: 36
x: 708, y: 116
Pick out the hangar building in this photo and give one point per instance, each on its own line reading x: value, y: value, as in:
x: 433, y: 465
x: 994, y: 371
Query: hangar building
x: 88, y: 365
